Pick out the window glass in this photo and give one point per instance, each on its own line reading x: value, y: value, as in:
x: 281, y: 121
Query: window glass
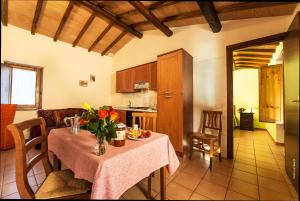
x: 23, y: 87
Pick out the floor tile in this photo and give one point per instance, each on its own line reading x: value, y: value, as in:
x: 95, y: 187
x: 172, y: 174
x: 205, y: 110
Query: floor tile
x: 12, y: 196
x: 244, y: 188
x: 217, y: 178
x: 177, y: 192
x: 267, y: 194
x: 244, y: 176
x: 197, y: 171
x: 272, y: 174
x: 40, y: 178
x: 273, y: 185
x: 197, y: 196
x: 187, y: 180
x: 245, y: 168
x: 8, y: 189
x: 211, y: 190
x: 232, y: 195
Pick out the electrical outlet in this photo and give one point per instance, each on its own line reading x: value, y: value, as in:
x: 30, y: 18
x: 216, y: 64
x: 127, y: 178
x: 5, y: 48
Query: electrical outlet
x: 294, y: 168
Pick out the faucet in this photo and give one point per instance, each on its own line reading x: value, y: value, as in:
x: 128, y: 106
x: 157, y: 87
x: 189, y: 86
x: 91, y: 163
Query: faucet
x: 129, y: 103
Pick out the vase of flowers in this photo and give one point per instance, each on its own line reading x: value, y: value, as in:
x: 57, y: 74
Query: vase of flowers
x: 102, y: 123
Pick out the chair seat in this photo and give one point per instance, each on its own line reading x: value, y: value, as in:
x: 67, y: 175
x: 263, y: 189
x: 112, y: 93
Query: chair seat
x: 203, y: 136
x: 60, y: 184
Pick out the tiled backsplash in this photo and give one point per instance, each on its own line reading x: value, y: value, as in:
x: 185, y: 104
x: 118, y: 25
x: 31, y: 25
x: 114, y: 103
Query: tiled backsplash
x: 144, y: 98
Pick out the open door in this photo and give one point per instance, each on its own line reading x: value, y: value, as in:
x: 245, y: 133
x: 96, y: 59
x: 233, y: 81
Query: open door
x: 291, y: 100
x: 270, y: 93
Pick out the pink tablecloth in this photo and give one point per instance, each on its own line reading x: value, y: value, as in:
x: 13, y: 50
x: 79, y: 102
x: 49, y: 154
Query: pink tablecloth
x: 119, y: 168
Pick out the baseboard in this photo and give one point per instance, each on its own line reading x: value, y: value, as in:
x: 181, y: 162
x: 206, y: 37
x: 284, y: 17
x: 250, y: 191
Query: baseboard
x: 277, y: 143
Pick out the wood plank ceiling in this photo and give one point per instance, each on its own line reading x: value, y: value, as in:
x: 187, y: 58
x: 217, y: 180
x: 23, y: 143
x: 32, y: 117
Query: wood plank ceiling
x: 254, y: 56
x: 106, y: 26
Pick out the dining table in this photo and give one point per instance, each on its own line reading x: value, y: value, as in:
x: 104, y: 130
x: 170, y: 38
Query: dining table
x: 119, y: 168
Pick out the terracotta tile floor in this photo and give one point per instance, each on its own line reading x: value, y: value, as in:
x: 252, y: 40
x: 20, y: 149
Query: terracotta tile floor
x: 256, y: 173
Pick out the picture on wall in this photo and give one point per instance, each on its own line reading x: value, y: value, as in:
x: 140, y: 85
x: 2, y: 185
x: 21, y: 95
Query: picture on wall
x: 83, y: 83
x: 92, y: 78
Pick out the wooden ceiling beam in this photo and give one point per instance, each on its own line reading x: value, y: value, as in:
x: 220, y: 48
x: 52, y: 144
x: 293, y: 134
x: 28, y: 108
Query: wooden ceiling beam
x: 103, y: 13
x: 239, y: 55
x: 151, y: 17
x: 251, y: 61
x: 248, y: 5
x: 103, y: 33
x: 84, y: 28
x: 37, y: 15
x: 114, y: 42
x: 257, y: 50
x: 4, y: 12
x: 64, y: 20
x: 210, y: 13
x: 152, y: 7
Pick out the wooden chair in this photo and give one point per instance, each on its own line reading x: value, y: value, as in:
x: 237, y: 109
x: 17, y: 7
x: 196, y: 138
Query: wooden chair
x: 208, y: 142
x: 147, y: 121
x: 60, y: 184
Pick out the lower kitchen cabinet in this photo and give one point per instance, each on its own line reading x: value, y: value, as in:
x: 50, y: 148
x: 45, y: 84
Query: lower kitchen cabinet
x: 122, y: 116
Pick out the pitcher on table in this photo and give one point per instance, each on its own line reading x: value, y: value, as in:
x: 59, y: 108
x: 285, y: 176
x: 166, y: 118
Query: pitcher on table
x: 75, y: 125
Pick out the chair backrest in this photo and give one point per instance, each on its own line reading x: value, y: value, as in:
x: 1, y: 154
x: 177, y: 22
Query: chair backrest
x: 147, y: 120
x: 22, y: 166
x: 212, y: 120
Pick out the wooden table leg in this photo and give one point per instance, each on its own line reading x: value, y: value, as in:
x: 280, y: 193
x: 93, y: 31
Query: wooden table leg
x: 163, y: 183
x: 56, y: 163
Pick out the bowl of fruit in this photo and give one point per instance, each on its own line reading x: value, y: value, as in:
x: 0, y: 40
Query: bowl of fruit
x: 138, y: 134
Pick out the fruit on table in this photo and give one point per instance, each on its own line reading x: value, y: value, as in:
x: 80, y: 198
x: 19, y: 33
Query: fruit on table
x: 145, y: 134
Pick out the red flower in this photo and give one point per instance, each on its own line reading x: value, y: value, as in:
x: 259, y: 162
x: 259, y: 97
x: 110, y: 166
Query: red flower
x: 113, y: 115
x: 102, y: 114
x: 82, y: 122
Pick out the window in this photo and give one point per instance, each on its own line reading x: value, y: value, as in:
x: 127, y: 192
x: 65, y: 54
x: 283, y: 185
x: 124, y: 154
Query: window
x: 22, y: 85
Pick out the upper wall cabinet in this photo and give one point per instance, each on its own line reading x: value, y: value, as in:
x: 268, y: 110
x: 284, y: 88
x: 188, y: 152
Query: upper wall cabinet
x: 125, y: 79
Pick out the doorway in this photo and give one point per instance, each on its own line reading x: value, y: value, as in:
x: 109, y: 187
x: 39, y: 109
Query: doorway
x: 230, y: 67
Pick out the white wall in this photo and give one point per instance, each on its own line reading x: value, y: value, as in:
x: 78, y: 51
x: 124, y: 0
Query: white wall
x: 63, y: 66
x: 209, y: 52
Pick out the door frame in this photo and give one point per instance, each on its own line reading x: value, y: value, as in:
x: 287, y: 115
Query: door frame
x: 229, y: 78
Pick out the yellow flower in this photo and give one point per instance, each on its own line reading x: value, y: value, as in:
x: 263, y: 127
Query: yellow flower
x: 86, y: 106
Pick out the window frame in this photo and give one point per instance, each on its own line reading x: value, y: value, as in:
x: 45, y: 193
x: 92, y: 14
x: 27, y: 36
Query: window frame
x: 38, y: 84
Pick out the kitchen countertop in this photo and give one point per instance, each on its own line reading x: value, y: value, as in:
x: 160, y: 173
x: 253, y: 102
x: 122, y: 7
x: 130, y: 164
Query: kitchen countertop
x: 135, y: 109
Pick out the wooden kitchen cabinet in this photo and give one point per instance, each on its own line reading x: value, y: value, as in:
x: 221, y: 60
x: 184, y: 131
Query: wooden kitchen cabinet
x: 125, y: 81
x: 142, y: 73
x: 153, y: 82
x: 175, y: 97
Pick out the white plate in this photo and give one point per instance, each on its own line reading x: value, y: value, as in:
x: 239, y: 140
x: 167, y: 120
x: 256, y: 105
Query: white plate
x: 133, y: 138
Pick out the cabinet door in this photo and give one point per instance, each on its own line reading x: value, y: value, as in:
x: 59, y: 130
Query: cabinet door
x: 129, y: 80
x: 120, y: 82
x: 170, y: 119
x: 124, y: 81
x: 169, y: 73
x: 153, y: 82
x: 142, y: 73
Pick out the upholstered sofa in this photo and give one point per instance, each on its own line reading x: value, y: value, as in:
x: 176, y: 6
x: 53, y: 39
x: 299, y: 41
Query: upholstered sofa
x: 54, y: 119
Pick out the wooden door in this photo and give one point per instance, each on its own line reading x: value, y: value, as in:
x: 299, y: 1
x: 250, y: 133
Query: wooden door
x: 270, y: 93
x: 291, y: 51
x: 153, y: 82
x: 142, y: 73
x: 169, y: 73
x: 170, y: 118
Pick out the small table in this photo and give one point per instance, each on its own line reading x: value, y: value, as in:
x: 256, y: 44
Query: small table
x: 246, y: 121
x: 119, y: 168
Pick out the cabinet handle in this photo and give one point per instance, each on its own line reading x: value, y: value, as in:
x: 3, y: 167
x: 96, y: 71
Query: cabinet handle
x: 295, y: 101
x: 167, y: 92
x: 168, y: 96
